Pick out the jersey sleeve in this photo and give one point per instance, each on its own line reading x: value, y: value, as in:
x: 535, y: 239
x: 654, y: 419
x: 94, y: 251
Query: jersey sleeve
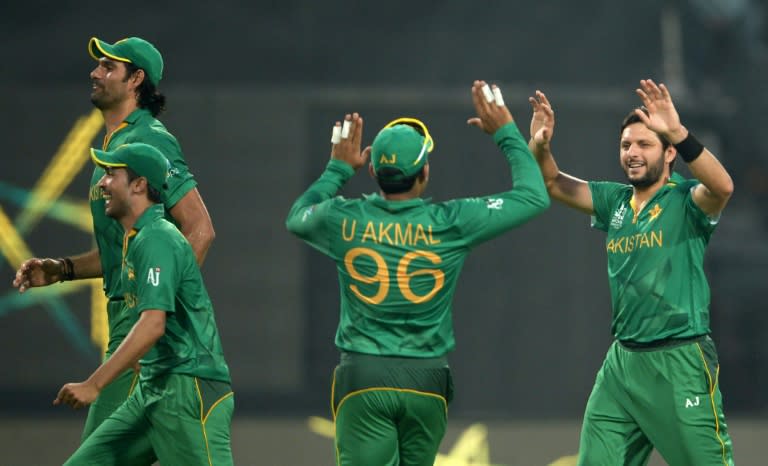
x: 309, y: 217
x: 482, y: 218
x: 604, y: 194
x: 180, y: 179
x: 700, y: 221
x: 155, y: 263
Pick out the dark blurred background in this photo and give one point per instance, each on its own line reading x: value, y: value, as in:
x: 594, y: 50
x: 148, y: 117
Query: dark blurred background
x: 253, y: 89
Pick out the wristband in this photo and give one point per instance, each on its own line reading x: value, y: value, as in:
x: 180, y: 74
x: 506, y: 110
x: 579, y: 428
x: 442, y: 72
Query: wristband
x: 689, y: 148
x: 67, y: 269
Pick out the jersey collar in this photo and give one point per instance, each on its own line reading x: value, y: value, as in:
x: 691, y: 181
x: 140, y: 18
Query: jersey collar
x: 379, y: 201
x: 137, y: 115
x: 152, y: 213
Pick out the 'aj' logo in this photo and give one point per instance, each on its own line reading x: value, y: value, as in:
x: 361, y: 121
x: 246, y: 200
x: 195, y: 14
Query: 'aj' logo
x: 691, y: 404
x: 385, y: 160
x: 153, y: 276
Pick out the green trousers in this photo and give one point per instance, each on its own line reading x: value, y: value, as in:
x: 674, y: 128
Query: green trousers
x: 665, y: 397
x: 186, y: 420
x: 389, y: 411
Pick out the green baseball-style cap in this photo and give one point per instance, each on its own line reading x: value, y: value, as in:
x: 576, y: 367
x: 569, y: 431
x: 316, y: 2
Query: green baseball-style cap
x: 142, y: 158
x: 131, y: 50
x: 403, y: 144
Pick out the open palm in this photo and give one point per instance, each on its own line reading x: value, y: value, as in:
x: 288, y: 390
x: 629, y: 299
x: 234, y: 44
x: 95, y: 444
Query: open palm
x: 543, y: 119
x: 662, y: 116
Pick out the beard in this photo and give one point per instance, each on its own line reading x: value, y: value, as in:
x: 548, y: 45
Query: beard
x: 101, y: 101
x: 104, y: 100
x: 652, y: 175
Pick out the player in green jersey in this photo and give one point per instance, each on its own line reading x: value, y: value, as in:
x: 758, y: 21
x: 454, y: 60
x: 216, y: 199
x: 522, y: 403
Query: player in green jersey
x: 658, y: 386
x: 183, y: 402
x: 125, y: 90
x: 398, y: 258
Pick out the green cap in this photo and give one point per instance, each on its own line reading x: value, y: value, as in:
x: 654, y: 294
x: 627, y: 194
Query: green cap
x: 131, y: 50
x: 142, y: 158
x: 399, y: 145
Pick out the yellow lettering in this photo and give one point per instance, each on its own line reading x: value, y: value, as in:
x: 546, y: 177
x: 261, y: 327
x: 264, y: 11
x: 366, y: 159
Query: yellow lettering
x: 95, y: 193
x: 610, y: 245
x: 657, y: 239
x: 404, y: 278
x: 403, y: 238
x: 420, y: 234
x: 619, y: 246
x: 384, y: 232
x: 351, y: 235
x: 384, y: 159
x: 370, y: 232
x: 432, y: 240
x: 644, y: 241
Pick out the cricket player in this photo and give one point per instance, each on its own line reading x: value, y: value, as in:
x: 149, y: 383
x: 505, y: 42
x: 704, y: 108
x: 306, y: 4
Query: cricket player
x: 182, y: 403
x: 398, y: 258
x: 125, y: 89
x: 658, y: 386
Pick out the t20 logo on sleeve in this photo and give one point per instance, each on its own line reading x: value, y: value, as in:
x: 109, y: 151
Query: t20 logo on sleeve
x: 494, y: 203
x: 153, y: 276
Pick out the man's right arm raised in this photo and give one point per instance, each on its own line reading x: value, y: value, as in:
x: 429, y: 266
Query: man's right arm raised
x: 565, y: 188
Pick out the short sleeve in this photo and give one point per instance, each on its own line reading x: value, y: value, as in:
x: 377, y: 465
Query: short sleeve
x: 155, y: 265
x: 604, y: 197
x: 180, y: 179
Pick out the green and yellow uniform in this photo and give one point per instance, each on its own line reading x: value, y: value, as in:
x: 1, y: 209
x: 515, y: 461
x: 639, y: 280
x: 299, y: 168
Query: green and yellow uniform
x: 183, y: 402
x: 139, y: 126
x: 658, y: 386
x: 398, y: 263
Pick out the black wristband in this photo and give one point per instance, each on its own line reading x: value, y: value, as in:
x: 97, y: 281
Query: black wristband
x: 689, y: 148
x: 67, y: 269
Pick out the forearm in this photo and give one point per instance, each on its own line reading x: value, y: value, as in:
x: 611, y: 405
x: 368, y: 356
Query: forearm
x: 139, y: 340
x: 546, y: 162
x: 336, y: 174
x: 86, y: 265
x: 528, y: 184
x: 716, y: 185
x: 200, y: 235
x: 562, y: 187
x: 191, y: 215
x: 711, y: 173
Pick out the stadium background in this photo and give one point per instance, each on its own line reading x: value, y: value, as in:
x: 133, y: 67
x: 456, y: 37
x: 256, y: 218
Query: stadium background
x: 253, y: 90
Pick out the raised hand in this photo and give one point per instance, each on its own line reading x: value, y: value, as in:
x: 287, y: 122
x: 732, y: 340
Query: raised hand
x: 347, y: 148
x: 490, y: 115
x: 542, y: 120
x: 38, y: 272
x: 662, y: 116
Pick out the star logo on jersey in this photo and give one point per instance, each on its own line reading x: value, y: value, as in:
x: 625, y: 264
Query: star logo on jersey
x: 655, y: 212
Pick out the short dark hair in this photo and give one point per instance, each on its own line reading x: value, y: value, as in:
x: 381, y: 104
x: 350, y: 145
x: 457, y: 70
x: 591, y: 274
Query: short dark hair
x: 152, y: 193
x: 632, y: 118
x: 147, y: 94
x: 392, y: 181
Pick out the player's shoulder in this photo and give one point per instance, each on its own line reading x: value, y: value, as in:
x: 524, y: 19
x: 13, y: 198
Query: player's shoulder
x: 160, y: 231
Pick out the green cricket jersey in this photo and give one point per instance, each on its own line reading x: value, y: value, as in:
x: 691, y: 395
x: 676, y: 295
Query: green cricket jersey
x: 139, y: 126
x: 655, y: 261
x: 398, y: 261
x: 161, y: 273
